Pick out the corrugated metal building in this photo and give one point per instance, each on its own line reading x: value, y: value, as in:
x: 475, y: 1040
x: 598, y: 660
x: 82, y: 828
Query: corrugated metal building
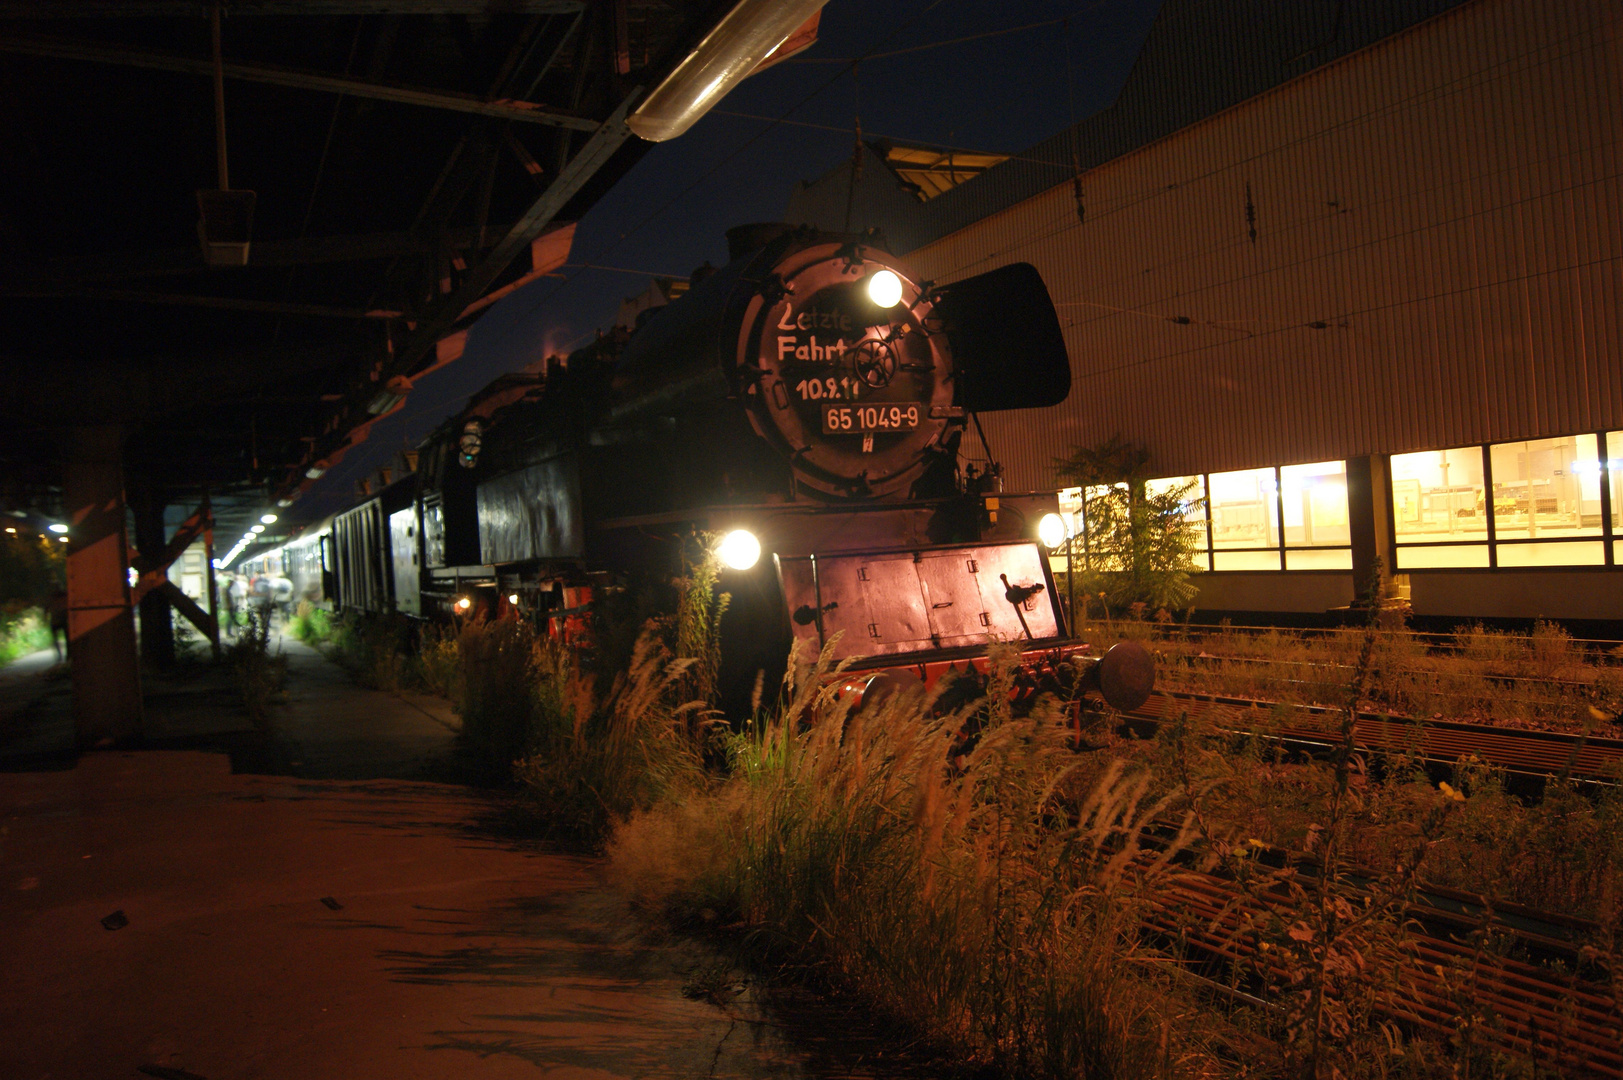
x: 1356, y: 270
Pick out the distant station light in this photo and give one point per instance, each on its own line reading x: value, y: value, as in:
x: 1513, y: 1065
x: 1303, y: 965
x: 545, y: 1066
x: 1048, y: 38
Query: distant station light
x: 11, y: 530
x: 63, y: 539
x: 463, y: 604
x: 257, y: 529
x: 512, y: 598
x: 267, y: 519
x: 58, y: 528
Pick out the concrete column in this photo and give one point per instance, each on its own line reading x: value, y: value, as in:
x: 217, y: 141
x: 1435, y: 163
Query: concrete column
x: 156, y: 616
x: 1369, y: 518
x: 101, y: 632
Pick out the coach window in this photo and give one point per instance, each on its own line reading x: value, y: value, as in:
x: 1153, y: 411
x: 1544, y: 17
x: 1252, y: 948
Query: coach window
x: 1314, y: 500
x: 1439, y: 509
x: 1245, y: 519
x: 1546, y: 500
x: 1192, y: 492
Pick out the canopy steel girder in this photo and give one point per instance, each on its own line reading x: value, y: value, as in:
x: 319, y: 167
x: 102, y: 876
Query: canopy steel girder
x: 603, y: 144
x: 129, y: 9
x: 218, y: 303
x: 125, y: 56
x: 176, y: 262
x: 433, y: 323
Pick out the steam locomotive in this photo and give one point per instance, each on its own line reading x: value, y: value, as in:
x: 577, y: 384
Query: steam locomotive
x: 806, y: 403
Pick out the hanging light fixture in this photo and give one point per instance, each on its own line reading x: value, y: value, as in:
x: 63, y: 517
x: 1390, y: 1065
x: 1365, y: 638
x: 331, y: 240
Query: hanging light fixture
x: 225, y: 218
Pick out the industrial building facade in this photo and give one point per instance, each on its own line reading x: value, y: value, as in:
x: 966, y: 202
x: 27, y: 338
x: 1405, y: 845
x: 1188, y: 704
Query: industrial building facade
x: 1368, y: 310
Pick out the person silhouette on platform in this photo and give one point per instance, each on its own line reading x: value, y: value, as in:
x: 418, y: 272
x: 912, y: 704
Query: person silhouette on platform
x: 56, y: 611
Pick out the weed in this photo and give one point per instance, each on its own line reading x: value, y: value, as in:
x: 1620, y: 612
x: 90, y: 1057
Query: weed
x: 593, y: 761
x: 260, y: 675
x: 954, y: 896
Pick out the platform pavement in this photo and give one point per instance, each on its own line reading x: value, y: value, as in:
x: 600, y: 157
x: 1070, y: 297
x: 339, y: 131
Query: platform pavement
x: 446, y: 950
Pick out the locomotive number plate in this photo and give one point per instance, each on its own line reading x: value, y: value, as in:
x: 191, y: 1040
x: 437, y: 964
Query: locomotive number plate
x: 839, y: 419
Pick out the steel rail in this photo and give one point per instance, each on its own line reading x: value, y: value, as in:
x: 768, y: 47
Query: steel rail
x: 1338, y: 665
x: 1445, y: 638
x: 1550, y: 704
x: 1527, y: 752
x: 1570, y: 1020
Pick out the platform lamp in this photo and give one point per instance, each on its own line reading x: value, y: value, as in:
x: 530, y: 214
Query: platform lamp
x: 225, y: 218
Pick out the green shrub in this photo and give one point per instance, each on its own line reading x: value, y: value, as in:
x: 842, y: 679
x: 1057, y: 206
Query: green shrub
x: 310, y: 624
x: 23, y: 630
x: 1138, y: 553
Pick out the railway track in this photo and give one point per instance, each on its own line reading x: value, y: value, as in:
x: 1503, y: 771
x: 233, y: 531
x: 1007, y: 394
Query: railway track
x: 1519, y: 1006
x: 1524, y: 752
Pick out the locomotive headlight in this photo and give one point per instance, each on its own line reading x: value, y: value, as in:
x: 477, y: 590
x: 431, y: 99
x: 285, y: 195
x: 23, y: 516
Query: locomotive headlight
x: 739, y: 550
x: 512, y: 598
x: 885, y: 288
x: 463, y: 604
x: 1051, y: 531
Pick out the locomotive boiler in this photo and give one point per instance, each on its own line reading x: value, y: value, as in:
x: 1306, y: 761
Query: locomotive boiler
x: 807, y: 403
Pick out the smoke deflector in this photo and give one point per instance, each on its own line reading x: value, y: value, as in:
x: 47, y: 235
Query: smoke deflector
x: 1006, y: 342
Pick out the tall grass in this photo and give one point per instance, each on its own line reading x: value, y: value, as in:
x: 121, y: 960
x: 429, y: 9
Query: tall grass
x: 966, y: 872
x: 593, y: 761
x: 1539, y: 678
x: 990, y: 898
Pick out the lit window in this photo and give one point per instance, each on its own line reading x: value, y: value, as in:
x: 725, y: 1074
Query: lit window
x: 1546, y: 489
x: 1104, y: 510
x: 1315, y: 501
x: 1443, y: 556
x: 1192, y: 492
x: 1245, y: 515
x: 1437, y: 496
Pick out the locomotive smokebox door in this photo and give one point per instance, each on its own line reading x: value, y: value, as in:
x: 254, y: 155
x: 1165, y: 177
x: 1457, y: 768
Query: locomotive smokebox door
x: 1006, y: 340
x: 842, y: 373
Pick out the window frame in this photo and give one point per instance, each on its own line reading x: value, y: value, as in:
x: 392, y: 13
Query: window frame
x: 1281, y: 547
x: 1610, y: 531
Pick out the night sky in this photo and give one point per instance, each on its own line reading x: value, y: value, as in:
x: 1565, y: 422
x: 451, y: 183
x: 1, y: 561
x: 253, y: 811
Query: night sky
x: 1013, y: 84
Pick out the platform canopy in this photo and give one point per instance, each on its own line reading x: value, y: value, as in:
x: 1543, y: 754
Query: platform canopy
x: 407, y: 160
